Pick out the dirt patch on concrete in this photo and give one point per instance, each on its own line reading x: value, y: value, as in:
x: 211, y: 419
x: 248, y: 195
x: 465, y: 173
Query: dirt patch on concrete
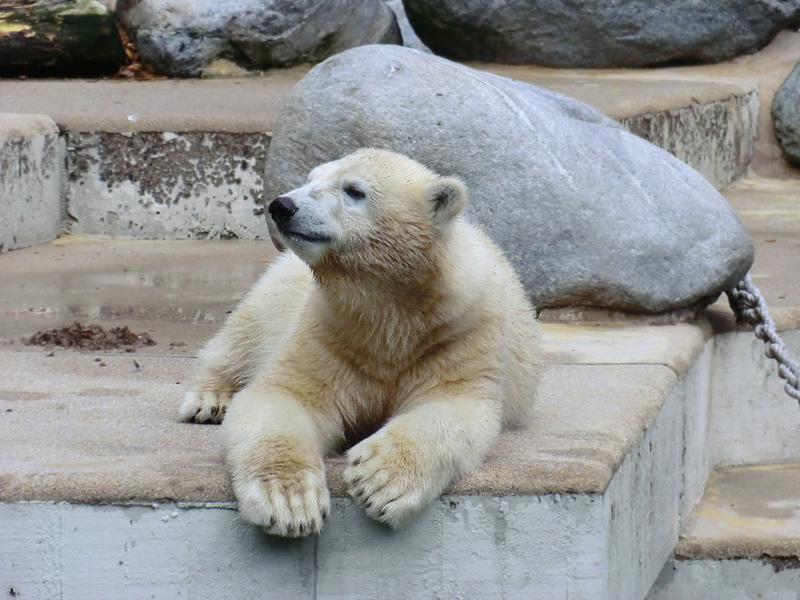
x: 92, y: 337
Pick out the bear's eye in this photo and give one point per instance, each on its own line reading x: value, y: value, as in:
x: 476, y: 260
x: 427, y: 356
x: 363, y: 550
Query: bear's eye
x: 354, y: 192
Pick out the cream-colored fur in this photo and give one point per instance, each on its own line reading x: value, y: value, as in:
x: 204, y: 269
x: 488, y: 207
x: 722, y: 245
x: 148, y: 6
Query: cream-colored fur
x: 393, y: 324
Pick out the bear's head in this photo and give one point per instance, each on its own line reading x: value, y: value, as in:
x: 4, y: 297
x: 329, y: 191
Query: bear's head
x: 373, y: 212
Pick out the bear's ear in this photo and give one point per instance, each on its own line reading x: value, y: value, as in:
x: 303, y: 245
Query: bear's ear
x: 446, y: 196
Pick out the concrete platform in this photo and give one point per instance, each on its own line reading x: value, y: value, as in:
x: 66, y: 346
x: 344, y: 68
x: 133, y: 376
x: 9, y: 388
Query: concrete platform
x: 742, y: 540
x: 252, y: 104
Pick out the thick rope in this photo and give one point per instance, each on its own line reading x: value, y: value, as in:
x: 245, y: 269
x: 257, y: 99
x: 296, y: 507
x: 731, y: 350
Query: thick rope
x: 749, y: 307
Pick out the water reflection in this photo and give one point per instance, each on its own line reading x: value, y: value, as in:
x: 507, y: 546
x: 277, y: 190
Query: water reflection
x: 123, y: 281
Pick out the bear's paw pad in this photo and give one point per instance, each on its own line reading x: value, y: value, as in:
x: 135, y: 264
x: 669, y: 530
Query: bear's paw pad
x: 387, y: 482
x: 290, y: 506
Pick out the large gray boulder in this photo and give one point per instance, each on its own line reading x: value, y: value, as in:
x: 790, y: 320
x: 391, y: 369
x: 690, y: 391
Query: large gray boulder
x: 589, y: 214
x: 786, y: 116
x: 599, y: 33
x: 182, y: 37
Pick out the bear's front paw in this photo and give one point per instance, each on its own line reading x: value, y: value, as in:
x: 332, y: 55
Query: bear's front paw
x: 207, y: 402
x: 292, y: 505
x: 387, y: 478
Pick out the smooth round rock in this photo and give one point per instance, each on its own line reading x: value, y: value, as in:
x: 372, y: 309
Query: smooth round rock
x: 181, y: 37
x: 588, y: 213
x: 786, y: 116
x: 600, y: 33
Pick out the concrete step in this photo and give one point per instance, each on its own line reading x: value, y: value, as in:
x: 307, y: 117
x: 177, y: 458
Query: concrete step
x: 184, y: 159
x: 753, y: 420
x: 742, y: 539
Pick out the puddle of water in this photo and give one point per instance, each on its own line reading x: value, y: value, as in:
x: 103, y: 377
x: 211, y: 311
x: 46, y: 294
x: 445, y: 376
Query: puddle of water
x: 174, y: 290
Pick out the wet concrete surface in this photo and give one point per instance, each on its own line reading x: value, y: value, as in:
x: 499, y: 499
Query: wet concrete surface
x: 178, y: 292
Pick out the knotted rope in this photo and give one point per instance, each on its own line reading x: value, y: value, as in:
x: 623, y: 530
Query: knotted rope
x: 749, y: 307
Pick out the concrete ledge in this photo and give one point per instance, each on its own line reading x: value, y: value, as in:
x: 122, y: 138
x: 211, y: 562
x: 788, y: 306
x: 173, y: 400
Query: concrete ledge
x: 605, y: 384
x: 200, y: 185
x: 29, y: 181
x: 119, y: 440
x: 117, y: 448
x: 717, y: 139
x: 461, y: 547
x: 246, y: 105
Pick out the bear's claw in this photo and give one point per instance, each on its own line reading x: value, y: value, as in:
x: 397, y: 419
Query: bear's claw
x: 205, y: 404
x: 289, y: 508
x: 390, y: 490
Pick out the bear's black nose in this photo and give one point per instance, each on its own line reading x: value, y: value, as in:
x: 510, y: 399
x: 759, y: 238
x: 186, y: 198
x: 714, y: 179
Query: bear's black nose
x: 282, y: 208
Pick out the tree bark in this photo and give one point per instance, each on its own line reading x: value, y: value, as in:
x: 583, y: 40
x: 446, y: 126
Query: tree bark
x: 58, y: 38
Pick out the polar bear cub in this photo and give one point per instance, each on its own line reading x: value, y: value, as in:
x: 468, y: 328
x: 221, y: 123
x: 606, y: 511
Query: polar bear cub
x: 393, y: 328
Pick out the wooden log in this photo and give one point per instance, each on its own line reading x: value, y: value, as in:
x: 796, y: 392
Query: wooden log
x: 58, y: 38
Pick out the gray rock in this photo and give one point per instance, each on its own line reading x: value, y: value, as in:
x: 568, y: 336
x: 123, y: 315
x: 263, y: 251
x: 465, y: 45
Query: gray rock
x: 786, y: 116
x: 182, y: 37
x: 589, y: 214
x: 410, y: 38
x: 600, y: 33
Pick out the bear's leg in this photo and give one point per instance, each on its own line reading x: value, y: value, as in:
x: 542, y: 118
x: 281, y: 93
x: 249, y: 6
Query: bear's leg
x: 227, y: 363
x: 253, y: 334
x: 273, y: 449
x: 395, y: 473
